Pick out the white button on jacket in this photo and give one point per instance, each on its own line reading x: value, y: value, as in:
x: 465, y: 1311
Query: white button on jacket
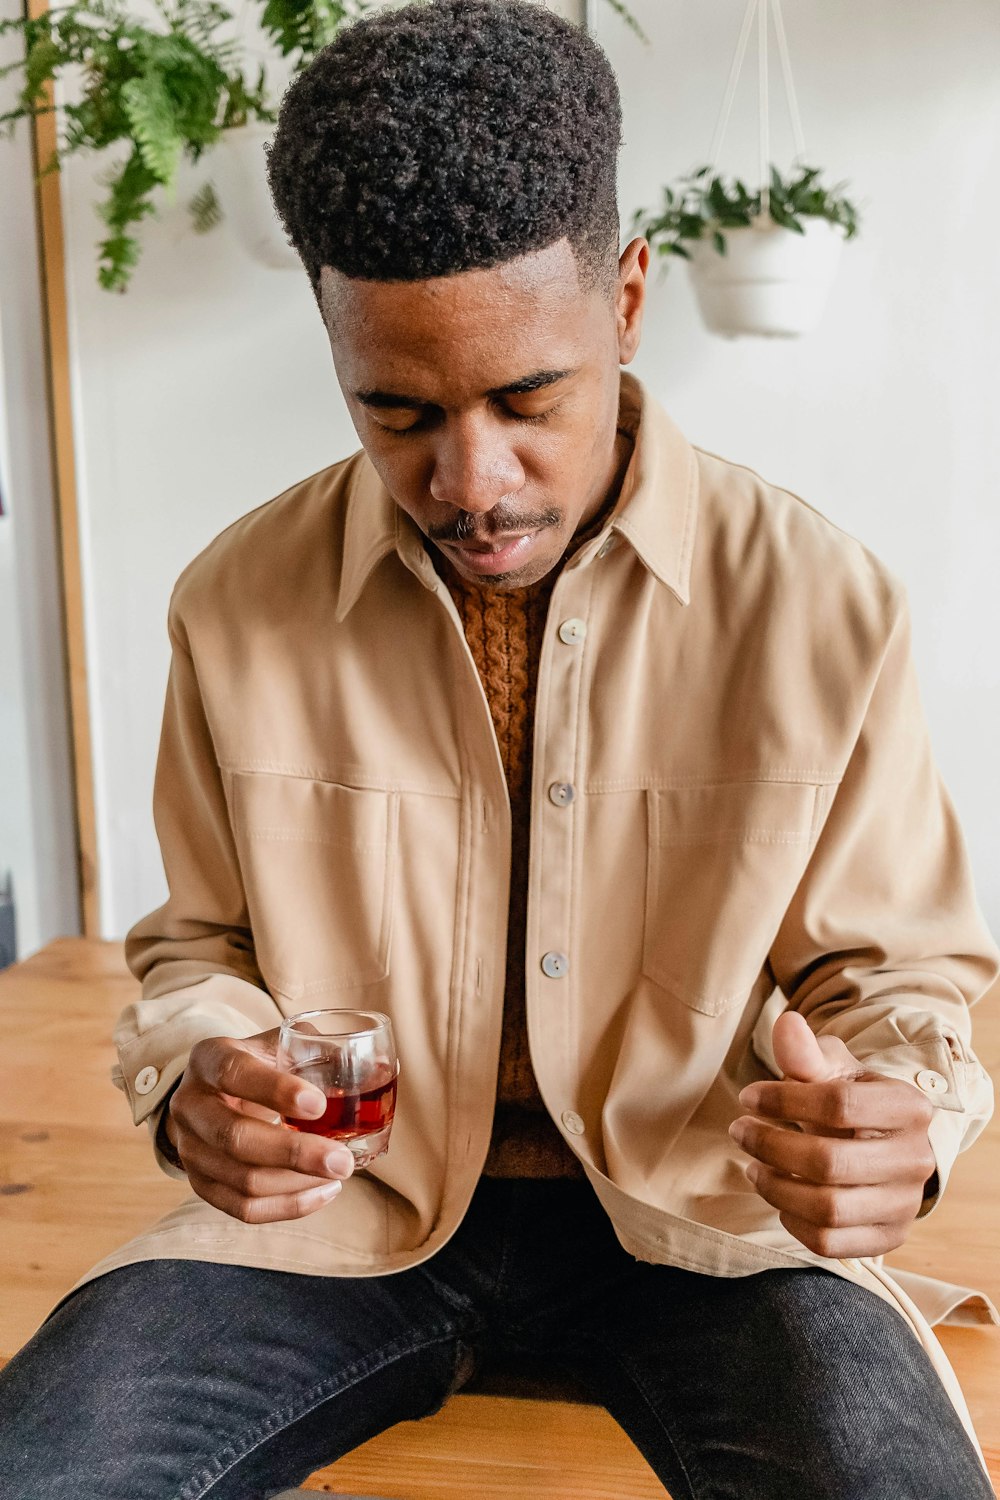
x: 931, y: 1082
x: 757, y: 814
x: 146, y: 1080
x: 573, y: 632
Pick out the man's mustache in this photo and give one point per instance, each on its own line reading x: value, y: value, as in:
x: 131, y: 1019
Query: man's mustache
x: 498, y: 523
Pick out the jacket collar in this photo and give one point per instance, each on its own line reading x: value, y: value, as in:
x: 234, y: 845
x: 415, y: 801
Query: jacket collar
x: 656, y: 512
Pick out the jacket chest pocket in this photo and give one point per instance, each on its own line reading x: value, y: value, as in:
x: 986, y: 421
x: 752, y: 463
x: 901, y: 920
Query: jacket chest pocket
x: 723, y: 863
x: 318, y: 862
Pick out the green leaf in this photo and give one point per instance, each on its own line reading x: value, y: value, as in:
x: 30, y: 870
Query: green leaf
x: 719, y: 241
x: 205, y: 209
x: 717, y: 198
x: 622, y: 10
x: 119, y: 255
x: 150, y: 112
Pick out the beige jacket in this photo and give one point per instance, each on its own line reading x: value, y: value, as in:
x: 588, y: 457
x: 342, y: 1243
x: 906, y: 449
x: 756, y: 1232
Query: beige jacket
x: 726, y: 681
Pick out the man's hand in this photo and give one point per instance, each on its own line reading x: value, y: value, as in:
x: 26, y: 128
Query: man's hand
x: 850, y: 1182
x: 223, y: 1124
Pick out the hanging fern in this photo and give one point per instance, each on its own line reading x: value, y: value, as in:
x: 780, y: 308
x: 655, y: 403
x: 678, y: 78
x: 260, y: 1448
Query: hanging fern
x: 305, y: 26
x: 167, y: 93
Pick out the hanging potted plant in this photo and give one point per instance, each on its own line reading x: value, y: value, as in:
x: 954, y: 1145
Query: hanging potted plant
x: 161, y: 92
x: 760, y: 263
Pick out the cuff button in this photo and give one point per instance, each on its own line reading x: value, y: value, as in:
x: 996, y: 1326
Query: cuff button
x: 931, y: 1082
x: 146, y: 1080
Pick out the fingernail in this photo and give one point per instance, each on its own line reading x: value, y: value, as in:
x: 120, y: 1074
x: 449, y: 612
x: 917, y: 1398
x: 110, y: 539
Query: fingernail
x: 749, y: 1096
x: 328, y: 1190
x: 340, y: 1162
x: 738, y: 1132
x: 752, y: 1172
x: 309, y: 1106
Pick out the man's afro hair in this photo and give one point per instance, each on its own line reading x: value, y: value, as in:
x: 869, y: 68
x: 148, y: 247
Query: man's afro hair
x: 448, y: 135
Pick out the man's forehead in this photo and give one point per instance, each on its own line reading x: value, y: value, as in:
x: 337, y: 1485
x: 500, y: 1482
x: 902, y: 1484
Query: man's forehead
x: 549, y: 275
x: 459, y: 338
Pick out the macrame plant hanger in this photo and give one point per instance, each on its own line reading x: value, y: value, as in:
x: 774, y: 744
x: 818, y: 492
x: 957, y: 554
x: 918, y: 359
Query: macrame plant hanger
x: 770, y: 279
x: 761, y: 10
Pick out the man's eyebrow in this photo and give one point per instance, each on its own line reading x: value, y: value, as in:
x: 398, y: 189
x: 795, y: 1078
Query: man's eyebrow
x: 523, y: 387
x: 536, y: 382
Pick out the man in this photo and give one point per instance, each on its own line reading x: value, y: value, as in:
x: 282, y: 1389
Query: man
x: 678, y: 1069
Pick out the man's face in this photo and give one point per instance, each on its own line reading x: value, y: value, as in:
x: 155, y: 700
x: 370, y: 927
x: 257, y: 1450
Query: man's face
x: 488, y: 401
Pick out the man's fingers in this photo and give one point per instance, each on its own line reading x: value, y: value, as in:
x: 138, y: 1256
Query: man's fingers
x: 237, y: 1068
x: 263, y: 1210
x: 247, y: 1141
x: 835, y: 1160
x: 252, y: 1180
x: 835, y: 1207
x: 840, y: 1244
x: 841, y: 1103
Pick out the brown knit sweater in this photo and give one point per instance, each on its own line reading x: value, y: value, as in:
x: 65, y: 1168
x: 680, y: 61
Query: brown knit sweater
x: 504, y: 631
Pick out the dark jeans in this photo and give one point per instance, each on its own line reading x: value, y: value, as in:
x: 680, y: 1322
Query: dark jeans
x: 174, y: 1380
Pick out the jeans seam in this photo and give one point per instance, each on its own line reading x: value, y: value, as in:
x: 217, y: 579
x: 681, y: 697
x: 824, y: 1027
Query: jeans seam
x: 283, y: 1416
x: 686, y: 1467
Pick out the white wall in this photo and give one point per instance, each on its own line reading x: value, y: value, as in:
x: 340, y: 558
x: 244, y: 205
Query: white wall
x: 885, y: 418
x: 209, y: 388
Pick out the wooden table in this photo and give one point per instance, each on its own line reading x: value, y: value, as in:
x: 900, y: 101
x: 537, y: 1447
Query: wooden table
x: 76, y: 1180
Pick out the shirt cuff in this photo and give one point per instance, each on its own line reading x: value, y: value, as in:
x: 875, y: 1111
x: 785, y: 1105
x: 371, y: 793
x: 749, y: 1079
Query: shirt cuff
x: 946, y: 1133
x: 166, y: 1157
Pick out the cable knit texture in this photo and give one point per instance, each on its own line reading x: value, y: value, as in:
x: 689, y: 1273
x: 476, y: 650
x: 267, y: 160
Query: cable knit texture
x: 504, y: 631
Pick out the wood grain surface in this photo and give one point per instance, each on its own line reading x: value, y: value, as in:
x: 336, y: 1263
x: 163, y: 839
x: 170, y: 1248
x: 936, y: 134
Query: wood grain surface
x: 77, y: 1179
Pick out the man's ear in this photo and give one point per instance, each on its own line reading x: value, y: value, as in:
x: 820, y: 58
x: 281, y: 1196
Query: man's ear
x: 631, y: 299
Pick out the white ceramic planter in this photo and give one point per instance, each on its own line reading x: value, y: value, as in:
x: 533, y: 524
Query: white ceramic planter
x: 771, y: 282
x: 241, y: 182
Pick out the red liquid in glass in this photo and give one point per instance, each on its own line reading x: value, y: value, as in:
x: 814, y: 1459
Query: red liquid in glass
x: 349, y: 1113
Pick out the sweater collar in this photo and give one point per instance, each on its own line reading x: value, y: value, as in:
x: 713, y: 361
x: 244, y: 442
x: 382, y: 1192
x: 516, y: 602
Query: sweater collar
x: 656, y: 512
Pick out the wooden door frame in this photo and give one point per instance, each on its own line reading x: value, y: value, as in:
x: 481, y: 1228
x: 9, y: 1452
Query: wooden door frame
x: 51, y: 249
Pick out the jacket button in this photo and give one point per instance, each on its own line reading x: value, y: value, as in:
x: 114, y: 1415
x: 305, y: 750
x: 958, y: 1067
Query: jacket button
x: 931, y: 1082
x: 146, y: 1081
x: 573, y: 1122
x: 572, y: 632
x: 555, y: 965
x: 561, y: 793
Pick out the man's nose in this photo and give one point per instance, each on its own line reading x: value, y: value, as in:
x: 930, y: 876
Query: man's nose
x: 474, y: 466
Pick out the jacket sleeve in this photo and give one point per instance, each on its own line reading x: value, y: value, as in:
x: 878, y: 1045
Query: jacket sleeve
x: 194, y: 955
x: 884, y: 944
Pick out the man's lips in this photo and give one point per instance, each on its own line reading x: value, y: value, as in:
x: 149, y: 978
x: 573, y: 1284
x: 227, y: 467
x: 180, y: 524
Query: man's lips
x: 495, y: 543
x: 510, y: 552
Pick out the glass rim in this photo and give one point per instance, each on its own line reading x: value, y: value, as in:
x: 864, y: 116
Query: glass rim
x: 289, y: 1023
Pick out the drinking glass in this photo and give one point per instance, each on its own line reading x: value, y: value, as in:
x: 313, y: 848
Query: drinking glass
x: 351, y: 1056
